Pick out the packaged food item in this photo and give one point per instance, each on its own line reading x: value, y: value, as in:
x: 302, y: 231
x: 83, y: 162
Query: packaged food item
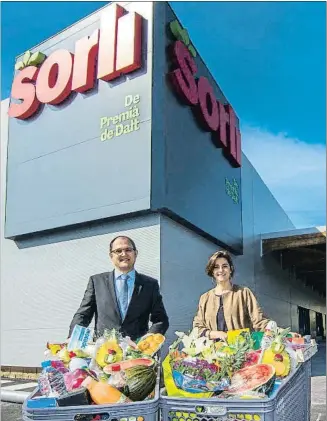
x: 103, y: 393
x: 76, y: 363
x: 58, y: 365
x: 77, y: 397
x: 232, y: 335
x: 80, y: 338
x: 54, y: 348
x: 172, y: 389
x: 51, y: 381
x: 257, y: 338
x: 73, y: 380
x: 117, y: 378
x: 41, y: 402
x: 151, y: 343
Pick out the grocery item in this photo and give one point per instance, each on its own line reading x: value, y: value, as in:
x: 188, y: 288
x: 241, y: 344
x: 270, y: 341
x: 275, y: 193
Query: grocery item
x: 149, y: 362
x: 76, y: 363
x: 77, y: 397
x: 41, y: 402
x: 54, y: 348
x: 51, y: 381
x: 73, y: 380
x: 150, y: 344
x: 117, y: 378
x: 57, y: 364
x: 276, y: 352
x: 251, y: 358
x: 195, y: 375
x: 140, y: 382
x: 108, y: 349
x: 234, y: 370
x: 232, y: 335
x: 259, y: 378
x: 102, y: 393
x: 237, y: 352
x: 171, y: 388
x: 64, y: 355
x: 85, y: 372
x: 281, y: 361
x: 79, y: 338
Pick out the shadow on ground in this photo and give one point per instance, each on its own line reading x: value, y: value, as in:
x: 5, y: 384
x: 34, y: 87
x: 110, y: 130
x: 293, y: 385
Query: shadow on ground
x: 318, y: 367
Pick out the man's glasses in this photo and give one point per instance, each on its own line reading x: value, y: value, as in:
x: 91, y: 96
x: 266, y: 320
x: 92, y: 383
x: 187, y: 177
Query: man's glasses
x: 120, y: 251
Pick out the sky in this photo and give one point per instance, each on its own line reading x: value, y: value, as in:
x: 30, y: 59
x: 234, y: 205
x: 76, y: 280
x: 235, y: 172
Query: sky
x: 269, y: 59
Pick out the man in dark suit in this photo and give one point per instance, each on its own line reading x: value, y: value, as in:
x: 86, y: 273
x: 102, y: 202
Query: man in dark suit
x: 122, y: 299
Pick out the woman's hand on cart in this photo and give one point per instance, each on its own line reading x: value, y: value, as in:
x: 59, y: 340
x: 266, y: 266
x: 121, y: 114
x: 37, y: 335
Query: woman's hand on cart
x: 217, y: 334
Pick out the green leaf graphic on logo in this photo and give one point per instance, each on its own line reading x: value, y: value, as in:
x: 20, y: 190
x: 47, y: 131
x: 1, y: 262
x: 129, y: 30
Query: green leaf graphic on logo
x: 26, y: 57
x: 30, y: 59
x: 192, y: 50
x: 19, y: 65
x: 175, y: 28
x: 181, y: 34
x: 36, y: 58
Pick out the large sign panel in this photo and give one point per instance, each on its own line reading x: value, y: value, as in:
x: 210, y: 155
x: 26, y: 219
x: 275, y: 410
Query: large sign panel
x: 116, y: 46
x: 80, y: 123
x: 200, y: 177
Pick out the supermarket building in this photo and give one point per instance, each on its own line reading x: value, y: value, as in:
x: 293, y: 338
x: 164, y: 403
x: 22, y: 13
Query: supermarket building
x: 116, y: 126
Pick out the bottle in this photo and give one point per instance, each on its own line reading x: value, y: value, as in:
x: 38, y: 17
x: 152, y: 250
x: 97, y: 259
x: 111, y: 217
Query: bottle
x: 117, y: 378
x: 103, y: 393
x: 51, y: 381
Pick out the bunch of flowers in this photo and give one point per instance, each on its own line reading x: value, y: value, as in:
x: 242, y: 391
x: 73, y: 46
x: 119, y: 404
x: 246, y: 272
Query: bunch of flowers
x: 199, y: 370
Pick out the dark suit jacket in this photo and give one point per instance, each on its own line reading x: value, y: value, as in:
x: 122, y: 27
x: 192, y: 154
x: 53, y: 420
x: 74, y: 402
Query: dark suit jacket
x: 100, y: 301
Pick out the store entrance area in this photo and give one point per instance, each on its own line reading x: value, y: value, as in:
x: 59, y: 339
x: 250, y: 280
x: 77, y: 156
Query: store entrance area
x: 311, y: 323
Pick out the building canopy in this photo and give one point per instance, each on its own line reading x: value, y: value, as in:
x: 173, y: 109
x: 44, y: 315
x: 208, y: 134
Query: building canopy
x: 304, y: 251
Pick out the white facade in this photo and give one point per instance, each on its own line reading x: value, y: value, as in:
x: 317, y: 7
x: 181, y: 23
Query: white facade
x: 43, y: 279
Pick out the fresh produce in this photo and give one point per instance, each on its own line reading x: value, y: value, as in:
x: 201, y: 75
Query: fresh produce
x: 245, y: 367
x: 64, y: 355
x: 106, y: 368
x: 140, y: 382
x: 102, y: 393
x: 149, y: 362
x: 110, y: 351
x: 151, y: 343
x: 276, y: 354
x: 259, y: 378
x: 251, y: 358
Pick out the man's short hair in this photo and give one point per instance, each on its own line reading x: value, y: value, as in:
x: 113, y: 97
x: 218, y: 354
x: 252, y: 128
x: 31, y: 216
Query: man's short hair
x: 122, y: 236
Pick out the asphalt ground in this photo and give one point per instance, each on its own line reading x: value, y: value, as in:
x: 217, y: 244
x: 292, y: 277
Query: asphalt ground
x: 13, y: 412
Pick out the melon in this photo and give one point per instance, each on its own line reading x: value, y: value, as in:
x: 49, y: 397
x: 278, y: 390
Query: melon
x: 140, y: 382
x: 251, y: 358
x: 148, y: 362
x: 259, y: 378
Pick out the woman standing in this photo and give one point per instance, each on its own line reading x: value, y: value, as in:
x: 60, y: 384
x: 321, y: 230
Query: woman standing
x: 227, y: 306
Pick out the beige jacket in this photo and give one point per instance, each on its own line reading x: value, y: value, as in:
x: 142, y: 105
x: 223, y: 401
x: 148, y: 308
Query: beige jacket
x: 241, y: 310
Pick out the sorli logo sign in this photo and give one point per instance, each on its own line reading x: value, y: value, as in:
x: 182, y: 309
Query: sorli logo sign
x: 115, y: 47
x: 212, y: 115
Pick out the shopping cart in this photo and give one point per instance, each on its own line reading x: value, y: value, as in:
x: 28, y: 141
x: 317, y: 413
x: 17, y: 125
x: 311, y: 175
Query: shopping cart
x: 291, y: 402
x: 135, y: 411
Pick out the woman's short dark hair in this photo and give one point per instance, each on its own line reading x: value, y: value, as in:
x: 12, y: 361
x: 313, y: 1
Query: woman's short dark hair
x: 122, y: 236
x: 212, y: 260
